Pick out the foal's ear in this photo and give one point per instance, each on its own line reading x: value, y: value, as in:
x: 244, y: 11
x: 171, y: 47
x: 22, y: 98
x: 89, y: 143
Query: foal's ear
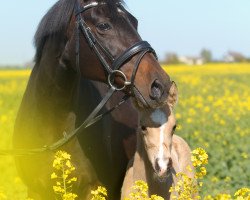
x: 172, y: 95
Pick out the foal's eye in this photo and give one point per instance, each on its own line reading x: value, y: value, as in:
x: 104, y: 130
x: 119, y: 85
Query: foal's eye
x: 175, y: 126
x: 103, y: 26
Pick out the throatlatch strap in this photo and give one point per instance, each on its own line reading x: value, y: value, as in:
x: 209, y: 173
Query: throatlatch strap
x: 85, y: 124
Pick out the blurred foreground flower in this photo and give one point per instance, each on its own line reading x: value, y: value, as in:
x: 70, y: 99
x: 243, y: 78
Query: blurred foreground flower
x: 186, y: 187
x: 140, y: 192
x: 99, y: 194
x: 242, y: 194
x: 199, y: 157
x: 63, y: 181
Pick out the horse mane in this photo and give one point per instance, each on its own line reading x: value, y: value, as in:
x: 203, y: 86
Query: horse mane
x: 53, y: 23
x: 56, y: 21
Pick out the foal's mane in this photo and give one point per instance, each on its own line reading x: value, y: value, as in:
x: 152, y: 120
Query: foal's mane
x: 56, y: 21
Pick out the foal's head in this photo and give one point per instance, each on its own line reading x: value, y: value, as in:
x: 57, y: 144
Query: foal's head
x: 157, y: 129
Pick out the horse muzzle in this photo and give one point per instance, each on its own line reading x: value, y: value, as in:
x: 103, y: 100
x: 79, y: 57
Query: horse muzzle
x: 151, y: 89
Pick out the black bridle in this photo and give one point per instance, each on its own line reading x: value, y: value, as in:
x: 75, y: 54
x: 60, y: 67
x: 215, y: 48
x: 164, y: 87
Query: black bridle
x: 140, y: 48
x: 113, y: 70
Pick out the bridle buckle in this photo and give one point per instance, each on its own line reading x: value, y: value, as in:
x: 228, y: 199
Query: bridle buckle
x: 113, y: 75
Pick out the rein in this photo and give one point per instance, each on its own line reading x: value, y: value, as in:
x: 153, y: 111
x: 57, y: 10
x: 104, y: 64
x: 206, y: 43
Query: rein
x: 113, y: 70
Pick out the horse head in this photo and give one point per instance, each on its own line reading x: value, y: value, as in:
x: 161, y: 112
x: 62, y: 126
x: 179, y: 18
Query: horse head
x: 103, y: 44
x: 157, y: 128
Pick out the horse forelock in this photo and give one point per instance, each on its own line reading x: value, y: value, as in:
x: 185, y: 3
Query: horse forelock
x: 55, y: 22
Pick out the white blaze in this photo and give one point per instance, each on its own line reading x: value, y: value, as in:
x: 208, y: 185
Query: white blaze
x: 162, y: 163
x: 159, y: 117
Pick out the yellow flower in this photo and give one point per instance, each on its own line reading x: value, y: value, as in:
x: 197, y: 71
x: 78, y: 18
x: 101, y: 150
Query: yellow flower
x: 201, y: 173
x: 222, y: 122
x: 69, y: 196
x: 189, y: 168
x: 178, y: 116
x: 208, y: 197
x: 191, y: 112
x: 63, y: 181
x: 242, y: 194
x: 210, y: 98
x: 227, y: 179
x: 206, y: 109
x: 140, y: 192
x: 189, y: 120
x: 99, y: 194
x: 58, y: 189
x: 223, y: 197
x: 179, y: 127
x: 74, y: 179
x: 185, y: 188
x: 196, y: 133
x: 53, y: 175
x: 199, y: 157
x: 244, y: 155
x: 214, y: 179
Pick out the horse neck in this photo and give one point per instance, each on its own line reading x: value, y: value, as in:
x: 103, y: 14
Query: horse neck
x: 56, y: 91
x: 48, y: 99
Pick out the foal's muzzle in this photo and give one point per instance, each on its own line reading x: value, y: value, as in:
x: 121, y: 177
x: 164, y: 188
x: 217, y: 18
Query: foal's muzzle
x: 163, y: 167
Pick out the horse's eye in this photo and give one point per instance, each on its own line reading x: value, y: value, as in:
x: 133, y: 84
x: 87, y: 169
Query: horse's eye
x: 143, y: 128
x: 103, y: 26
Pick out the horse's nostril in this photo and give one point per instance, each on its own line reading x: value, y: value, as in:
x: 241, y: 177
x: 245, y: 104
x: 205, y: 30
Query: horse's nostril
x: 156, y: 90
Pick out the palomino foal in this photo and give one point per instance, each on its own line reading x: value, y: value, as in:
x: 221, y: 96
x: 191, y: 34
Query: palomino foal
x: 159, y: 154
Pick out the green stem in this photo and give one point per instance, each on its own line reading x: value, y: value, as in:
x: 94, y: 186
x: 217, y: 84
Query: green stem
x: 64, y: 182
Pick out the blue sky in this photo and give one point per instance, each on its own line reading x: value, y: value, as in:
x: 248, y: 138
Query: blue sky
x: 180, y: 26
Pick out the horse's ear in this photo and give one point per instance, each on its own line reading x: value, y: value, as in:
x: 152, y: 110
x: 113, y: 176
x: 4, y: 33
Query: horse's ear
x: 172, y: 95
x: 66, y: 55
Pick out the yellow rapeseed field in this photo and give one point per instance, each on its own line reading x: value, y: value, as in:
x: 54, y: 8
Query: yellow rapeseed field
x: 213, y: 112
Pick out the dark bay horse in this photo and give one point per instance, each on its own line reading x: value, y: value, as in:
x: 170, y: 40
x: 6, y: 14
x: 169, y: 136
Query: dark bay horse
x: 78, y: 40
x: 111, y: 142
